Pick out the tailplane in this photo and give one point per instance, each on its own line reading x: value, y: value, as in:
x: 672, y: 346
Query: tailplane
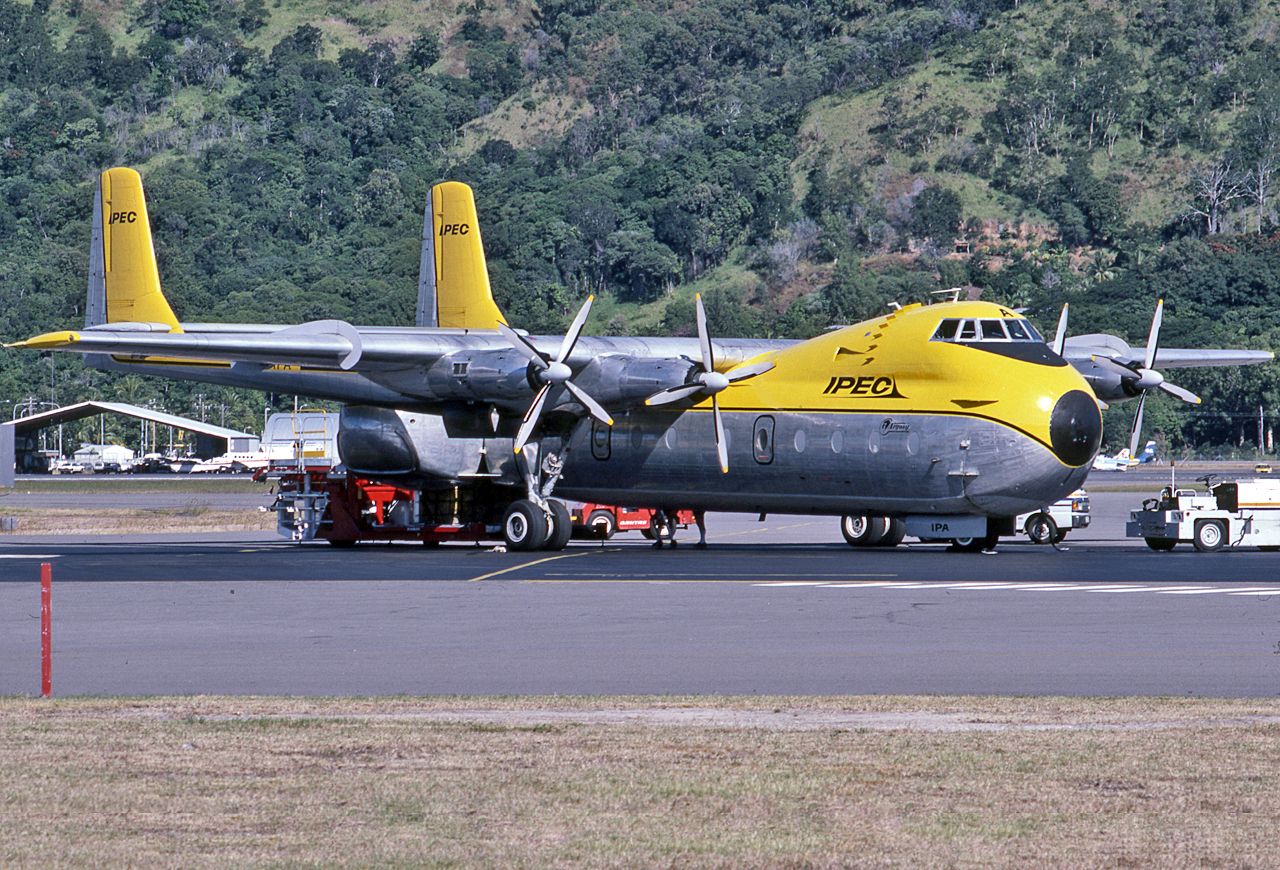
x: 124, y: 283
x: 453, y: 279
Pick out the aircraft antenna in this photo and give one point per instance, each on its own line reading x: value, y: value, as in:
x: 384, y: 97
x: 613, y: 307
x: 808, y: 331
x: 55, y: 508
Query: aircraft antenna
x: 950, y: 295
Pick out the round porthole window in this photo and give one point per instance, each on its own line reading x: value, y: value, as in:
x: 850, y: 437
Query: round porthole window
x: 837, y: 441
x: 800, y: 440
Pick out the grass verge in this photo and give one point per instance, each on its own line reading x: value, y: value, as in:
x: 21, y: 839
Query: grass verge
x: 195, y: 516
x: 638, y: 781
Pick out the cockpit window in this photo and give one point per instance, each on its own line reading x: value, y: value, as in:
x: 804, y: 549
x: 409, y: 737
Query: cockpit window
x: 947, y: 330
x: 955, y: 329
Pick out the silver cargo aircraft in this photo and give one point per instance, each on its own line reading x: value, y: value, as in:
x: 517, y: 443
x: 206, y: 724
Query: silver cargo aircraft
x: 943, y: 420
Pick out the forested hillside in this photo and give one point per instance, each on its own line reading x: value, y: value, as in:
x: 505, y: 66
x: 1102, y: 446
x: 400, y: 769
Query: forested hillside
x: 801, y: 164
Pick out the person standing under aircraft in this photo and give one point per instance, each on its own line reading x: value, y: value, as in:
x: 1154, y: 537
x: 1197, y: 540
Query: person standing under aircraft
x: 664, y: 521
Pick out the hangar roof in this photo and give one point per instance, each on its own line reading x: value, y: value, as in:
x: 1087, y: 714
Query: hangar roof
x: 81, y: 410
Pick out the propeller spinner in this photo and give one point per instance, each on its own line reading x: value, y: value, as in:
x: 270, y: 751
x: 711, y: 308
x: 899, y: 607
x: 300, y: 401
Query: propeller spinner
x: 553, y: 373
x: 710, y: 382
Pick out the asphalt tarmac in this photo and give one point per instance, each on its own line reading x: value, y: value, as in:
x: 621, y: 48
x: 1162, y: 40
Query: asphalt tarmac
x: 775, y: 607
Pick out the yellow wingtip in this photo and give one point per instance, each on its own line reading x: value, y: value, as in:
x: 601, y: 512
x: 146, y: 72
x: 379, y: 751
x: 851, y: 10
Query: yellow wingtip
x: 47, y: 340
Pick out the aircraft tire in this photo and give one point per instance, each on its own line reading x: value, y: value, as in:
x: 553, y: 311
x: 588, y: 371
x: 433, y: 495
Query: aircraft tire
x: 1041, y: 528
x: 896, y: 532
x: 861, y: 530
x: 1161, y: 545
x: 560, y: 526
x: 601, y: 524
x: 524, y: 526
x: 974, y: 545
x: 1210, y: 536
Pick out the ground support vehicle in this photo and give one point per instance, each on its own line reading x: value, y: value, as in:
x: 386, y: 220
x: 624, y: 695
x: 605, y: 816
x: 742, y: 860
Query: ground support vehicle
x: 1052, y: 523
x: 592, y: 520
x: 1233, y: 513
x: 319, y: 502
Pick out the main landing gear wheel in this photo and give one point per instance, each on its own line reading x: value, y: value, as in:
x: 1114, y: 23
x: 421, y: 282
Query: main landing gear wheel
x: 602, y: 524
x: 975, y: 545
x: 524, y: 527
x: 860, y: 530
x: 1041, y: 529
x: 561, y: 527
x: 1161, y: 545
x: 897, y: 531
x: 1210, y: 536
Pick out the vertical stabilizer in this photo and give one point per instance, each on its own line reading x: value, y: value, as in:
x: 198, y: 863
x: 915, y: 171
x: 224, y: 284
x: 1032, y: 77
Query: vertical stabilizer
x: 130, y: 276
x: 453, y: 285
x: 426, y: 314
x: 95, y: 304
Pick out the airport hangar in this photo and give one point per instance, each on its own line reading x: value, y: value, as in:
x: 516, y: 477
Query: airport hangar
x: 18, y: 437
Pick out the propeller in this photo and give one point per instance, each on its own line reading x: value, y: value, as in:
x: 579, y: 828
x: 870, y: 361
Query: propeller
x: 709, y: 382
x: 1146, y: 378
x: 1060, y: 337
x: 553, y: 373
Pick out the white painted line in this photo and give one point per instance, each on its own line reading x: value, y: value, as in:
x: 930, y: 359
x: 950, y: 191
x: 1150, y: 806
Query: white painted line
x: 1185, y: 591
x: 794, y: 583
x: 892, y: 584
x: 1036, y: 586
x: 1112, y: 587
x: 29, y: 555
x: 1121, y: 587
x: 980, y: 586
x: 1258, y: 592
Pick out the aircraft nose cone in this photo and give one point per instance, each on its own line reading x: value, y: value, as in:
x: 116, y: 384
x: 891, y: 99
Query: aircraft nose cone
x: 1075, y: 428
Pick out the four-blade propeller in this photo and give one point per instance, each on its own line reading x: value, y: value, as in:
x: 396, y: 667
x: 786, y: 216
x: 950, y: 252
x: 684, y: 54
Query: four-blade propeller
x: 1142, y: 378
x: 553, y: 373
x: 709, y: 382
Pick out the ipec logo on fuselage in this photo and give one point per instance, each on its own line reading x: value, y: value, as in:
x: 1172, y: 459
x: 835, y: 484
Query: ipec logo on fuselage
x: 872, y: 386
x: 454, y: 229
x: 122, y: 217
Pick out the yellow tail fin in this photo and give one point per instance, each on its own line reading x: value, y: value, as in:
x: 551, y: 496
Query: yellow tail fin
x: 453, y: 283
x: 132, y: 281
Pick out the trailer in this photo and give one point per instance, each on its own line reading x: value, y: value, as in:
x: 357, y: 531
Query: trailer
x: 1231, y: 513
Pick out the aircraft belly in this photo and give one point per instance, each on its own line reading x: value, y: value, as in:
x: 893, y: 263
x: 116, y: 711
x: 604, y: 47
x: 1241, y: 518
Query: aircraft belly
x: 820, y: 463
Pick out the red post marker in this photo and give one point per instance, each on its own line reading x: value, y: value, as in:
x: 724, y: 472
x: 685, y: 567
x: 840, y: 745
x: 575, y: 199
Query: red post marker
x: 46, y: 629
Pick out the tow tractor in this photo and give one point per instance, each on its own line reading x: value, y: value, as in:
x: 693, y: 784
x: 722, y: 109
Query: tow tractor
x: 592, y: 520
x: 1231, y: 513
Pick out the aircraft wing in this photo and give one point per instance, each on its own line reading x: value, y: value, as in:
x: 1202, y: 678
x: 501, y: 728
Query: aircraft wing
x: 338, y: 348
x: 1181, y: 358
x: 1082, y: 348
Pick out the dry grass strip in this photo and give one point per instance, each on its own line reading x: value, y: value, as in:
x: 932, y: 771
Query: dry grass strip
x: 736, y: 782
x: 194, y: 516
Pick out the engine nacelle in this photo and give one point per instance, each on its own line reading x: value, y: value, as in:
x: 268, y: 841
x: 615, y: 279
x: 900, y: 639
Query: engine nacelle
x: 440, y: 448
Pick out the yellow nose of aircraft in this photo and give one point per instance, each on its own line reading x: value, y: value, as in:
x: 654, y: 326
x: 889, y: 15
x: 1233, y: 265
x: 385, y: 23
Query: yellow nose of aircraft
x: 951, y: 406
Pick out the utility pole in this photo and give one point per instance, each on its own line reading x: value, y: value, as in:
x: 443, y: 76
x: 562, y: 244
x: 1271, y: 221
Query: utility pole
x: 1261, y: 424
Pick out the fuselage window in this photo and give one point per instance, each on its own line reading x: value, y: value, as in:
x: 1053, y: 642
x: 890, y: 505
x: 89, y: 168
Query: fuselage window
x: 1016, y: 331
x: 993, y: 329
x: 1032, y: 331
x: 968, y: 331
